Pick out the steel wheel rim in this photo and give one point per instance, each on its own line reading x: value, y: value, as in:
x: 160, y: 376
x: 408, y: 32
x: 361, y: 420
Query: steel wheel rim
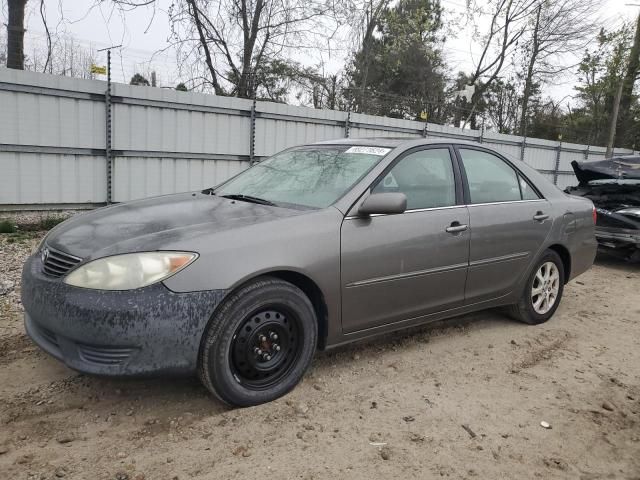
x: 265, y: 347
x: 545, y: 288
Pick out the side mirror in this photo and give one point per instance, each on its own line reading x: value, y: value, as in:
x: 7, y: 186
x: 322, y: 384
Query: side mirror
x: 383, y: 203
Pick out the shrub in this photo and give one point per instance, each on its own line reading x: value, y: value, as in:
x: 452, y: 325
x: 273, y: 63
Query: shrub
x: 49, y: 222
x: 7, y: 226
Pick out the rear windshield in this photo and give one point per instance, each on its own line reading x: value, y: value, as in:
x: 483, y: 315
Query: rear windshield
x: 312, y: 176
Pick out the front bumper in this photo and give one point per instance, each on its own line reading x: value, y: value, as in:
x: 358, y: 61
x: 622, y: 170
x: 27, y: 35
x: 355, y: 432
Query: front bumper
x: 145, y: 331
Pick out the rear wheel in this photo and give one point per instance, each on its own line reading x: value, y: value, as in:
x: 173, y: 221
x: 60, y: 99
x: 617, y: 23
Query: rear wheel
x: 543, y: 292
x: 259, y: 343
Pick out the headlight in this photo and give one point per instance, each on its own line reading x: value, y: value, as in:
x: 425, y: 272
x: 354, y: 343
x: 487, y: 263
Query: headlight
x: 129, y: 271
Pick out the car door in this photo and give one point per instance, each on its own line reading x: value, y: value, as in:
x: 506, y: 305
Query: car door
x: 398, y: 267
x: 509, y: 221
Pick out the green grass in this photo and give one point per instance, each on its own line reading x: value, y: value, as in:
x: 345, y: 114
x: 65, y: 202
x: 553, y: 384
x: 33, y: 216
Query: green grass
x: 7, y: 226
x: 44, y: 224
x: 19, y: 237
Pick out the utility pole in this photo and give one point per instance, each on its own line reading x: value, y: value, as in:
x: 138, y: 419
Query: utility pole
x: 107, y: 143
x: 614, y: 120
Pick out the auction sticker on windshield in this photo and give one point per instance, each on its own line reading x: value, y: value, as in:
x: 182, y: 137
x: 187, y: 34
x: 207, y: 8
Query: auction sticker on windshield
x: 369, y: 150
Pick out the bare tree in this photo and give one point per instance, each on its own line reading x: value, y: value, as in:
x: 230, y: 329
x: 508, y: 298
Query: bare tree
x: 506, y: 28
x: 66, y: 56
x: 502, y: 105
x: 367, y: 18
x: 43, y: 15
x: 237, y: 38
x: 15, y: 34
x: 557, y: 29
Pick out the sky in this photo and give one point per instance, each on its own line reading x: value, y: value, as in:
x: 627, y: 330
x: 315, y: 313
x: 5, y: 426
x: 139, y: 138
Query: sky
x: 144, y: 31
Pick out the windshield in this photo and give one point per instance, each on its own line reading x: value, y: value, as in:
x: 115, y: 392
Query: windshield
x: 309, y: 176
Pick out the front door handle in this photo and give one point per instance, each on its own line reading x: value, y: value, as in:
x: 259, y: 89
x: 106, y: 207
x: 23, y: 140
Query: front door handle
x: 456, y: 227
x: 540, y: 216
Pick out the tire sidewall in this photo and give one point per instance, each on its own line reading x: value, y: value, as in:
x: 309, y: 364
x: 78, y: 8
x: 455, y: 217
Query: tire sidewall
x: 218, y: 341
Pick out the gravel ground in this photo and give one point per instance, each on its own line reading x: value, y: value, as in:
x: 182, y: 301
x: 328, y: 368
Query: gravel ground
x: 458, y: 399
x: 32, y: 217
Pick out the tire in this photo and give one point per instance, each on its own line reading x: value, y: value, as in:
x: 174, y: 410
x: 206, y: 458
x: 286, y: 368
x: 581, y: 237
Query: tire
x: 525, y: 310
x: 259, y: 343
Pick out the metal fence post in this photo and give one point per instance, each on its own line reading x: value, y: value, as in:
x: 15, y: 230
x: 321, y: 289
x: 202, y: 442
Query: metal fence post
x: 481, y: 139
x: 586, y: 153
x: 523, y: 148
x: 557, y: 166
x: 252, y: 134
x: 425, y: 130
x: 347, y: 124
x: 108, y: 153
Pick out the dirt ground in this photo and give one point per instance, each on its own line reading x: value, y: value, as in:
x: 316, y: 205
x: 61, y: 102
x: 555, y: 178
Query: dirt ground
x: 458, y: 399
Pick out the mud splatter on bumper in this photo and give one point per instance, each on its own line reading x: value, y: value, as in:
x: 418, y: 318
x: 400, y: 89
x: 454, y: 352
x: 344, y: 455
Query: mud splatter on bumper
x: 144, y: 331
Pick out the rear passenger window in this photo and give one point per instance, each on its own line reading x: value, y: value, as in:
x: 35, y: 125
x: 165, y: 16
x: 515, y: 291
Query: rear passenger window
x: 490, y: 178
x: 425, y: 177
x: 528, y: 193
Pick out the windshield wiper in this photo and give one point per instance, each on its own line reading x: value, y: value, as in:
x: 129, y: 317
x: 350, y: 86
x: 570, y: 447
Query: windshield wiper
x: 249, y: 198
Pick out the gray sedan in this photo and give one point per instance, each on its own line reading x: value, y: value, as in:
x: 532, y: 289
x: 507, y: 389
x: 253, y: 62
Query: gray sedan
x: 317, y: 246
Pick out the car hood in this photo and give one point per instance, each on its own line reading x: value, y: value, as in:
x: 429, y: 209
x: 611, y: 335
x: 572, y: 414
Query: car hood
x: 156, y: 223
x: 625, y: 167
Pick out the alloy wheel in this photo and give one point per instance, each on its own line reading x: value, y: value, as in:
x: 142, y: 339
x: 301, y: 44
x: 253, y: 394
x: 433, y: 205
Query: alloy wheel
x: 545, y: 288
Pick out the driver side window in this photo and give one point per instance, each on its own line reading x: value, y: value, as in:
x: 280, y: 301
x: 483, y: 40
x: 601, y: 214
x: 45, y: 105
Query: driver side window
x: 425, y: 177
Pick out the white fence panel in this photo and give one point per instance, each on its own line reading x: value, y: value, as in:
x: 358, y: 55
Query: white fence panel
x: 280, y: 126
x: 141, y: 177
x: 36, y: 178
x: 53, y: 147
x: 541, y: 154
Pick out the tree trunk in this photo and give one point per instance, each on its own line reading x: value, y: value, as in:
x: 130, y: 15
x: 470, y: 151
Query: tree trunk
x: 195, y: 14
x: 626, y: 96
x: 15, y: 34
x: 528, y: 84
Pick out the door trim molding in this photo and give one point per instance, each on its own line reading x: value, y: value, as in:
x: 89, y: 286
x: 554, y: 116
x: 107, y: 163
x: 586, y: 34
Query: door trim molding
x: 401, y: 276
x: 503, y: 258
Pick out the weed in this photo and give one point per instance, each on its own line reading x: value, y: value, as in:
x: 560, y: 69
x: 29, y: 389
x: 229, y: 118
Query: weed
x: 7, y: 226
x: 48, y: 223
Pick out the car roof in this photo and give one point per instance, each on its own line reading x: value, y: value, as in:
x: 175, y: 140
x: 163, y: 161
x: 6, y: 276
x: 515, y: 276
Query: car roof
x: 393, y: 141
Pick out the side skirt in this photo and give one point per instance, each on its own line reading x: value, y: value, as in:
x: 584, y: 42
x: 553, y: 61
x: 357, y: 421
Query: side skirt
x: 421, y: 320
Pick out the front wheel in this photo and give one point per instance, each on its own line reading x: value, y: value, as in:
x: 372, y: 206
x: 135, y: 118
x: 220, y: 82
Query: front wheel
x: 543, y: 292
x: 259, y: 343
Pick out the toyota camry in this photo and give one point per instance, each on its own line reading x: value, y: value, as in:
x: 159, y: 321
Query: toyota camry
x: 316, y: 246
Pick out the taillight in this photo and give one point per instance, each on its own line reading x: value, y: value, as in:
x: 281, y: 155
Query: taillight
x: 594, y: 212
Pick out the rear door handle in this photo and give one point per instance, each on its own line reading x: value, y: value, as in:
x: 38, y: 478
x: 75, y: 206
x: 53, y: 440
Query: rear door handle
x: 456, y: 227
x: 540, y: 217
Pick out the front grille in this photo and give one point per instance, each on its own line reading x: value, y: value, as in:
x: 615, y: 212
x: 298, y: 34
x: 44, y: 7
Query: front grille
x: 104, y: 355
x: 57, y: 263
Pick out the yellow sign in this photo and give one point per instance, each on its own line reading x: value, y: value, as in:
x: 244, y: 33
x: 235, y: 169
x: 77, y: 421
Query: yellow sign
x: 423, y: 115
x: 98, y: 69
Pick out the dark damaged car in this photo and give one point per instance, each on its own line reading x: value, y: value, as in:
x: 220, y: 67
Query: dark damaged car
x: 614, y: 187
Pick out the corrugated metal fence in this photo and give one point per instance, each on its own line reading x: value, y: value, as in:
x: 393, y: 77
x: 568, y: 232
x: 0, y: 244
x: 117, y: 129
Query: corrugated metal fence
x: 53, y: 130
